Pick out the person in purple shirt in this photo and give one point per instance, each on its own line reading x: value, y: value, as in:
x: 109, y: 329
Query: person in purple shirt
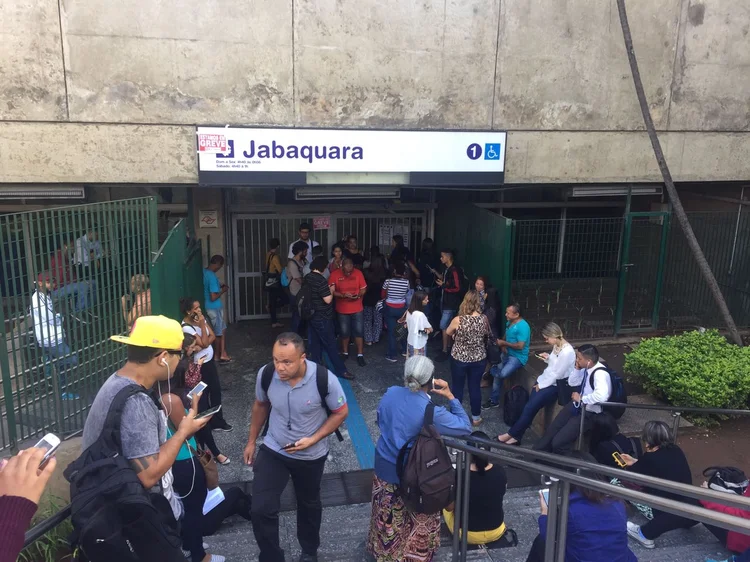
x: 597, y: 526
x: 395, y: 532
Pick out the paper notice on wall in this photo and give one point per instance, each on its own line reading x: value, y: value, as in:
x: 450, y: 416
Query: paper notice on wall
x: 321, y: 223
x: 385, y: 234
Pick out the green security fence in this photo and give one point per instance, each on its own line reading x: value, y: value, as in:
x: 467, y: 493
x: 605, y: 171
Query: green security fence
x: 600, y: 277
x: 482, y: 241
x: 57, y: 351
x: 176, y: 272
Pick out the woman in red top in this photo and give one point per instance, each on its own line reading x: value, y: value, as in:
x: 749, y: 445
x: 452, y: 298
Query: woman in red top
x: 734, y: 541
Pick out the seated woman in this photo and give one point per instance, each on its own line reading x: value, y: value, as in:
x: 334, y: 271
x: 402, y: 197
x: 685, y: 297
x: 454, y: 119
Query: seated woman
x: 661, y: 459
x: 560, y: 364
x: 486, y: 492
x: 596, y: 526
x: 396, y: 533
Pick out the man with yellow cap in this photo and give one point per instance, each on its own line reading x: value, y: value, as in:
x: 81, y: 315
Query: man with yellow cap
x: 154, y: 350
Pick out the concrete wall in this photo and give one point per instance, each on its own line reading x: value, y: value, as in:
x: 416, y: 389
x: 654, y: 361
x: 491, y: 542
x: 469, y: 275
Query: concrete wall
x: 100, y: 91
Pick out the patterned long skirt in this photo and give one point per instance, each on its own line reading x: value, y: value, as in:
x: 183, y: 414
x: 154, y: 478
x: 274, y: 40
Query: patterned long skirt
x: 396, y: 534
x: 373, y: 324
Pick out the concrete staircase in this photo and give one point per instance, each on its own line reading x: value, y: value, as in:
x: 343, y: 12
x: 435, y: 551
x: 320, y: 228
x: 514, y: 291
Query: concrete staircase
x: 345, y: 528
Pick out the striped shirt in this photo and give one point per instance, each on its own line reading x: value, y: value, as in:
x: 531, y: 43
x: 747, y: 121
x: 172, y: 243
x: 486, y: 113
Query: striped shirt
x: 395, y: 291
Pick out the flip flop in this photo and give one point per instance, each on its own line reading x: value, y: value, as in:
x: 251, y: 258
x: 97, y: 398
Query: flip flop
x: 224, y: 361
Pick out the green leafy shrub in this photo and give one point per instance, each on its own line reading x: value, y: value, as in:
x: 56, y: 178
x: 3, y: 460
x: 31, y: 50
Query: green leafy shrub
x: 694, y: 369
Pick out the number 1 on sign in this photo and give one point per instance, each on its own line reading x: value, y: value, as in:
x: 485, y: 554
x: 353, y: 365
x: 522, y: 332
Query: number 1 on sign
x: 474, y: 151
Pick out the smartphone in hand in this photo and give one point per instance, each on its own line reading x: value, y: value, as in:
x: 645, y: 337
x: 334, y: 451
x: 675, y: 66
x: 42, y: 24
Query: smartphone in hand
x: 197, y: 389
x: 49, y: 443
x: 209, y: 412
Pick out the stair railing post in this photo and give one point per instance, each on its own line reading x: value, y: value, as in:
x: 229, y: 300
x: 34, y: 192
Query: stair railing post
x: 675, y: 425
x: 550, y: 551
x: 465, y: 508
x: 457, y: 504
x: 579, y: 444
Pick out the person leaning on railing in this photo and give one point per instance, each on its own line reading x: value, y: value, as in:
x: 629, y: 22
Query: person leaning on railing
x: 21, y: 487
x: 395, y: 532
x: 596, y: 525
x: 661, y: 459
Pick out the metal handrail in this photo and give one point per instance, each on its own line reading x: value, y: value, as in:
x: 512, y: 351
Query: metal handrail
x: 38, y: 531
x: 688, y: 410
x: 559, y: 488
x: 677, y: 412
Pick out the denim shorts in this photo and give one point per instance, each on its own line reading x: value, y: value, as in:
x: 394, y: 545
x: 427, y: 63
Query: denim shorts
x: 445, y: 319
x: 216, y: 316
x: 352, y: 324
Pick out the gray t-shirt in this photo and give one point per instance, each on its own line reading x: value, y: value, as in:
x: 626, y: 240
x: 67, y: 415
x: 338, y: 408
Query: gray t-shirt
x: 142, y: 429
x: 297, y: 411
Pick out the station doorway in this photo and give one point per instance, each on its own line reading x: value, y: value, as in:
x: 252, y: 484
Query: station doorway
x: 250, y: 235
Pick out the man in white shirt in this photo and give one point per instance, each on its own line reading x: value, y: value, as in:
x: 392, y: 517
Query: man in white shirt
x: 304, y: 236
x: 49, y: 334
x: 88, y: 251
x: 593, y: 377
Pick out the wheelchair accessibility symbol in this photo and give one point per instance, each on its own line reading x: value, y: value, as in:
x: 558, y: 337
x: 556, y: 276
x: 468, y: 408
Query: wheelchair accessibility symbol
x: 492, y: 151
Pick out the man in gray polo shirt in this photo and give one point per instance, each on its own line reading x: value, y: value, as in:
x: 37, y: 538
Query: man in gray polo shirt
x: 296, y: 445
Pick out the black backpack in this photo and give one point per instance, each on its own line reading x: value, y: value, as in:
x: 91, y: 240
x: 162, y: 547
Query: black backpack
x: 303, y: 301
x: 726, y: 479
x: 617, y: 384
x: 618, y: 444
x: 427, y: 479
x: 114, y: 517
x: 321, y: 378
x: 513, y: 404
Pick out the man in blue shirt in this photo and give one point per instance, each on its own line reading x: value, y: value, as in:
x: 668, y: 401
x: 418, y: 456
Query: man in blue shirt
x: 515, y: 348
x: 212, y: 293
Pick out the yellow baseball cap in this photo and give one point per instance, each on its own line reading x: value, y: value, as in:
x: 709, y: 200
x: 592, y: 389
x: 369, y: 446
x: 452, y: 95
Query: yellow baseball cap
x: 158, y: 332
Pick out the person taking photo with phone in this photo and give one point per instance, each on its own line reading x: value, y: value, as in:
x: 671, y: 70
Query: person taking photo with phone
x: 395, y: 532
x: 21, y: 485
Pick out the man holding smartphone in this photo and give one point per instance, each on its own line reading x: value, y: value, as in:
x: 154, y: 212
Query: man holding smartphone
x: 296, y: 446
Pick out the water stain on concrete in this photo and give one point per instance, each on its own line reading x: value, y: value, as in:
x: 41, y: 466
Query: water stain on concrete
x: 696, y: 13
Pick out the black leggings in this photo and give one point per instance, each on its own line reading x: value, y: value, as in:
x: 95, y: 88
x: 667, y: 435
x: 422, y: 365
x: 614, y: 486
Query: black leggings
x: 664, y: 522
x: 211, y: 398
x: 536, y: 554
x: 205, y: 439
x: 190, y: 483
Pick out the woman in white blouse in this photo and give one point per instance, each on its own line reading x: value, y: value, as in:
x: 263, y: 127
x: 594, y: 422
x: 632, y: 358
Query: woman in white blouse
x: 560, y: 364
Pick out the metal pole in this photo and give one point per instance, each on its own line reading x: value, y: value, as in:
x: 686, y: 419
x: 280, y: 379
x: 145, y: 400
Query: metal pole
x: 457, y: 503
x: 552, y: 522
x: 561, y: 245
x: 465, y: 508
x: 675, y: 426
x: 736, y: 231
x: 579, y: 445
x: 562, y: 529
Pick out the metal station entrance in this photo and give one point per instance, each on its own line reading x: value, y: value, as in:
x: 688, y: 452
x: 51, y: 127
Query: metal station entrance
x: 251, y: 234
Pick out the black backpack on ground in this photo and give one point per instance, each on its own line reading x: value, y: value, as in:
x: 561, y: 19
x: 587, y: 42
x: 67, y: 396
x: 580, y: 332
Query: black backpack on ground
x: 321, y: 379
x: 514, y: 402
x: 617, y: 384
x: 303, y: 301
x: 114, y: 517
x: 726, y: 479
x: 618, y: 444
x: 427, y: 479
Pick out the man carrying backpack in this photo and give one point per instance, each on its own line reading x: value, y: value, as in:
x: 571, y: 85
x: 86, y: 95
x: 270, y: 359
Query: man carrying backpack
x: 320, y: 334
x: 596, y: 385
x: 113, y: 494
x: 303, y: 413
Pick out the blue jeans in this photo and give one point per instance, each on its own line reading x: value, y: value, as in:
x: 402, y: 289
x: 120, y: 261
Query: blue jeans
x: 321, y: 338
x: 537, y: 400
x: 61, y: 357
x: 460, y: 373
x: 85, y: 292
x: 507, y: 366
x: 392, y: 316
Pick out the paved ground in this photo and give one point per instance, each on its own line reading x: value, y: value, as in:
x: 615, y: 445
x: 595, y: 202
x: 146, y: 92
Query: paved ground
x: 250, y: 345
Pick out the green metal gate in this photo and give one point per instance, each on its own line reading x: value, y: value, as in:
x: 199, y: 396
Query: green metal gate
x: 57, y: 351
x: 176, y: 272
x: 644, y: 246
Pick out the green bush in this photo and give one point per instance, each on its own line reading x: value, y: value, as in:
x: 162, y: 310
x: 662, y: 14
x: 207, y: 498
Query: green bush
x: 694, y: 369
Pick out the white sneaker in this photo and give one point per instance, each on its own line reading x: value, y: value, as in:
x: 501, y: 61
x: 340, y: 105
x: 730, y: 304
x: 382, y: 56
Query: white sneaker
x: 217, y: 558
x: 635, y: 532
